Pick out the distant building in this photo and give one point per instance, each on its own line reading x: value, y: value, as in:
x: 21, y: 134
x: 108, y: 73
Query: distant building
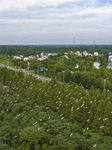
x: 65, y: 53
x: 37, y: 56
x: 21, y: 56
x: 109, y: 65
x: 18, y: 57
x: 32, y: 57
x: 42, y: 58
x: 45, y: 57
x: 29, y: 57
x: 96, y: 53
x: 39, y: 59
x: 26, y: 58
x: 66, y: 56
x: 85, y: 53
x: 49, y: 54
x: 78, y: 53
x: 110, y: 58
x: 52, y: 54
x: 42, y: 54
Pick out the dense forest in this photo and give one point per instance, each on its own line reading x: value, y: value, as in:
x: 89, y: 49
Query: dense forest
x: 52, y: 115
x: 32, y: 50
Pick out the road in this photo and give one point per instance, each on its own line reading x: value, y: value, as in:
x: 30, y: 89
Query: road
x: 26, y: 73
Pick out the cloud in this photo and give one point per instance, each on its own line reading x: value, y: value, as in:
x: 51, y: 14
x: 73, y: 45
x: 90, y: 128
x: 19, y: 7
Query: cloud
x: 61, y: 17
x: 6, y: 5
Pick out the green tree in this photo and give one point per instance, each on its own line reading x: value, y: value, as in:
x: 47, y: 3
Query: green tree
x: 67, y: 75
x: 103, y: 61
x: 62, y: 52
x: 11, y: 50
x: 107, y: 121
x: 98, y: 118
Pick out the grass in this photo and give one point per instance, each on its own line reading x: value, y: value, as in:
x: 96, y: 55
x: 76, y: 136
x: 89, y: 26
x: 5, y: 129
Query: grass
x: 6, y: 62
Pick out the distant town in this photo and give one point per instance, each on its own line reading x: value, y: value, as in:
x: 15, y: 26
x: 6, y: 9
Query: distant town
x: 44, y: 56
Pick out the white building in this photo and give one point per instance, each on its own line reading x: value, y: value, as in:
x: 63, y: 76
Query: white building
x: 109, y: 53
x: 32, y: 57
x: 96, y: 53
x: 78, y: 53
x: 66, y: 56
x: 85, y: 53
x: 42, y: 54
x: 37, y: 56
x: 26, y: 58
x: 110, y: 58
x: 52, y: 54
x: 109, y: 65
x: 40, y: 59
x: 29, y: 57
x: 18, y: 57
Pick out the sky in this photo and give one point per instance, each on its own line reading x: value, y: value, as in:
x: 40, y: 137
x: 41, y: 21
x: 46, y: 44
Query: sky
x: 55, y: 22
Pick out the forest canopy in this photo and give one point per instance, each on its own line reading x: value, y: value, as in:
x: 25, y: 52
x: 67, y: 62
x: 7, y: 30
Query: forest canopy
x: 47, y: 115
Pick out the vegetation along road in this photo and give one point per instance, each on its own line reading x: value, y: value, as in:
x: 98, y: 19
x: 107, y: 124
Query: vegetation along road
x: 26, y: 73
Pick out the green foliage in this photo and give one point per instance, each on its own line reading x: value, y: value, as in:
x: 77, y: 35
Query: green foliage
x: 44, y: 115
x: 85, y: 74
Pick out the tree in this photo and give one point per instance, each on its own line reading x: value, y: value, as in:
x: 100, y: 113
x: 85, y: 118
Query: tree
x: 107, y: 120
x: 98, y: 118
x: 62, y: 52
x: 84, y: 80
x: 99, y: 83
x: 92, y: 113
x: 67, y: 75
x: 103, y: 61
x: 11, y: 50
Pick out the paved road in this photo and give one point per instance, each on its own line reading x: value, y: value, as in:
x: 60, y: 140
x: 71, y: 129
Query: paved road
x: 26, y: 73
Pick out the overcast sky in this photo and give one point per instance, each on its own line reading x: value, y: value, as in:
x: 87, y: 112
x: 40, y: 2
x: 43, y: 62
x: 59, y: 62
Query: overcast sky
x: 36, y: 22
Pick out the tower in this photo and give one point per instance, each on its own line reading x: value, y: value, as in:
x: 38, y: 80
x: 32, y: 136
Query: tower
x: 74, y: 41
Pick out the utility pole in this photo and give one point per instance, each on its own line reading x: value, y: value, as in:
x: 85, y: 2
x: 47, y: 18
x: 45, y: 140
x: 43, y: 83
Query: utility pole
x: 104, y: 83
x: 44, y: 71
x: 8, y: 62
x: 74, y: 41
x: 94, y: 43
x: 63, y: 76
x: 38, y: 70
